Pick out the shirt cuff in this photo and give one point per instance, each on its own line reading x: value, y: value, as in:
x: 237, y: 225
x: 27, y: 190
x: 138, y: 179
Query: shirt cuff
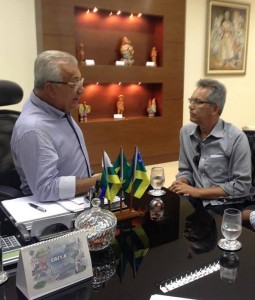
x: 67, y: 187
x: 252, y: 219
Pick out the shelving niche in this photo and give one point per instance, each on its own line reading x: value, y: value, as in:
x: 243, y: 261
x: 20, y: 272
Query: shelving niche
x: 64, y: 24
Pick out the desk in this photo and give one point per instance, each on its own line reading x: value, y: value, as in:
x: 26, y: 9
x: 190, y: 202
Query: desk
x: 175, y: 256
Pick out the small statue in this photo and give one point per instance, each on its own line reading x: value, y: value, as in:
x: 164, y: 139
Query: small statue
x: 81, y: 54
x: 127, y: 51
x: 152, y: 107
x: 154, y: 54
x: 120, y: 104
x: 84, y: 109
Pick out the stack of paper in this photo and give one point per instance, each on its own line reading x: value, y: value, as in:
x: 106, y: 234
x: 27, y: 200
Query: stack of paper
x: 23, y: 210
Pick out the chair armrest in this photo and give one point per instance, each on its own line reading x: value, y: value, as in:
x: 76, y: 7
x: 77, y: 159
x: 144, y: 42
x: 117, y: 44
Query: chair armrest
x: 7, y: 192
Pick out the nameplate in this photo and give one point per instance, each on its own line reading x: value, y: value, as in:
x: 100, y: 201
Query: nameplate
x: 89, y: 62
x: 119, y: 63
x: 150, y: 64
x: 53, y: 264
x: 117, y: 116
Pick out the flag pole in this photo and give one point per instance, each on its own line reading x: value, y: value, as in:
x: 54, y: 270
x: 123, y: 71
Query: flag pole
x: 121, y: 177
x: 133, y: 179
x: 106, y: 175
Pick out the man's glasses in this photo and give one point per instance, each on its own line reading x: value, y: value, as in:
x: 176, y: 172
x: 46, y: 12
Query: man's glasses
x: 196, y: 158
x: 77, y: 84
x: 197, y: 101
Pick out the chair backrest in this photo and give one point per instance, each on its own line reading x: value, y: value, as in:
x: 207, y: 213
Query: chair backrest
x: 251, y: 137
x: 10, y: 93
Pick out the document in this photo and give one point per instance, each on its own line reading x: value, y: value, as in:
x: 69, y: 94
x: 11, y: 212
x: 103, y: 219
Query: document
x: 28, y: 209
x: 163, y: 297
x: 74, y: 205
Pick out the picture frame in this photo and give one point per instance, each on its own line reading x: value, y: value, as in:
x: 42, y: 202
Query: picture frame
x: 227, y: 37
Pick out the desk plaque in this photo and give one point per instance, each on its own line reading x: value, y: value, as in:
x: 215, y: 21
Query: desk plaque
x: 53, y: 264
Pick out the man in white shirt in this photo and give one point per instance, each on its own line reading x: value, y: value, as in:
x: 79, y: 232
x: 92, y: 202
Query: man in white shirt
x: 48, y: 146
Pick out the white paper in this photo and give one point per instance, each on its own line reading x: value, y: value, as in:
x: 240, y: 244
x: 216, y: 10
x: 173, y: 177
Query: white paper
x: 74, y: 205
x: 163, y: 297
x: 22, y: 212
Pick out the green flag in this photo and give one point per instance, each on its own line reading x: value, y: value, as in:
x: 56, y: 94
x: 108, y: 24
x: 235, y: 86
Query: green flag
x: 140, y: 180
x: 123, y: 169
x: 110, y: 182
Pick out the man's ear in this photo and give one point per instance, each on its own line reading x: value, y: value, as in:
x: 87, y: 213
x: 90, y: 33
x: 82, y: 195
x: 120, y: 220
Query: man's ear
x: 216, y: 109
x: 49, y: 89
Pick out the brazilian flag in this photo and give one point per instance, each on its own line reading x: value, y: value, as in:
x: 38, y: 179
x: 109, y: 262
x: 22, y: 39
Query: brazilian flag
x: 123, y: 169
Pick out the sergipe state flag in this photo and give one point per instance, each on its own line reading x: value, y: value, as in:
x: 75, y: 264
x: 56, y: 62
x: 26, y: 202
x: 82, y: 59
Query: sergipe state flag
x: 110, y: 182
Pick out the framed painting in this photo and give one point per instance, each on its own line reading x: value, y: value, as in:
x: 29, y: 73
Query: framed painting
x: 227, y: 37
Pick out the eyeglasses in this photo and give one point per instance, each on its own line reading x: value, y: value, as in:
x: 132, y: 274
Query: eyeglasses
x: 196, y: 101
x: 71, y: 84
x: 196, y: 158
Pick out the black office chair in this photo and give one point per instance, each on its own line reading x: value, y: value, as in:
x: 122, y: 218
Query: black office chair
x: 251, y: 137
x: 10, y: 93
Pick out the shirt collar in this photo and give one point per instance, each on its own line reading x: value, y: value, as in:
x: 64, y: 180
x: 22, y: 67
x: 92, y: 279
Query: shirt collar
x: 217, y: 131
x: 49, y: 109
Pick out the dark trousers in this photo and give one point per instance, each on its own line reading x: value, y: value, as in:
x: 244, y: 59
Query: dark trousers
x: 219, y: 209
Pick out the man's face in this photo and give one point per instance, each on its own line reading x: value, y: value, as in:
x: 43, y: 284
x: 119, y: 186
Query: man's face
x: 200, y: 110
x: 67, y: 96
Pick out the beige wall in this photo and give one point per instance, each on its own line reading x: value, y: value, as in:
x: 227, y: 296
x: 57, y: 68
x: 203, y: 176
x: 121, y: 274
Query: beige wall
x: 18, y: 51
x: 18, y: 43
x: 240, y: 106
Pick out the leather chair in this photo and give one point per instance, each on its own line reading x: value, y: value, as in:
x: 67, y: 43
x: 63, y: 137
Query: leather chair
x: 251, y: 137
x: 10, y: 93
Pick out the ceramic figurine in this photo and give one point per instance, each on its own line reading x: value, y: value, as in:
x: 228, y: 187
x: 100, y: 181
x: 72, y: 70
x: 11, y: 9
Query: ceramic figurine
x: 120, y: 104
x: 84, y: 109
x: 81, y: 54
x: 152, y: 107
x: 154, y: 54
x: 127, y: 51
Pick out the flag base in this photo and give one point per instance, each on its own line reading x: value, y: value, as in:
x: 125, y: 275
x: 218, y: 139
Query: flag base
x: 127, y: 214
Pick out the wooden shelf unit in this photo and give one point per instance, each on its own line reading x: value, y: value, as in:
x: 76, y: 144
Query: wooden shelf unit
x: 60, y: 26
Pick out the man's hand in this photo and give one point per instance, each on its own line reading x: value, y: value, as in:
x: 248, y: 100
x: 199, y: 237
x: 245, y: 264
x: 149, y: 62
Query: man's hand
x: 181, y: 187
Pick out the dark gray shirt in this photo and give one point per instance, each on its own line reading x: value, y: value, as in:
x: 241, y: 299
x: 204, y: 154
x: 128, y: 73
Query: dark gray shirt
x: 47, y: 153
x: 225, y: 159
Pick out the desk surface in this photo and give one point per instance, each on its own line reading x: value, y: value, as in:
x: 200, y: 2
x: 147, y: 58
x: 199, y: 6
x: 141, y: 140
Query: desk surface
x: 170, y: 254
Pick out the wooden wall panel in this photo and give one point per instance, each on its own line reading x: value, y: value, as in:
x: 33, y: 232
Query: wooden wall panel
x: 157, y: 138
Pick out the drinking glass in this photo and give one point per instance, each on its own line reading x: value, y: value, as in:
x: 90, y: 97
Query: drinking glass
x: 231, y: 228
x: 157, y: 180
x: 229, y: 264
